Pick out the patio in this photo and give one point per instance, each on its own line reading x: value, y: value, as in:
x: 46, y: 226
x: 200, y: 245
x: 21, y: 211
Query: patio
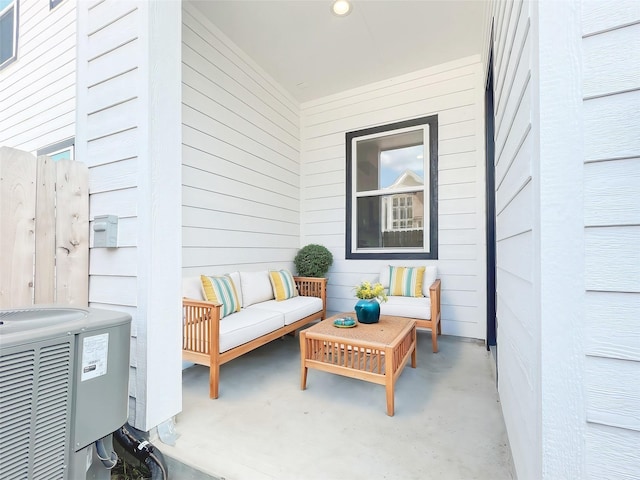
x: 448, y: 422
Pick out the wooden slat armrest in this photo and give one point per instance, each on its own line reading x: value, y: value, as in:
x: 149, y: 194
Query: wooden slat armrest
x: 313, y: 287
x: 201, y: 336
x: 435, y: 321
x: 197, y: 303
x: 434, y: 296
x: 435, y: 286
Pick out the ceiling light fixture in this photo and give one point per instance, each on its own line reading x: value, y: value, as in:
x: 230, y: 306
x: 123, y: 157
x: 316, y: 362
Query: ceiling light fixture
x: 341, y: 8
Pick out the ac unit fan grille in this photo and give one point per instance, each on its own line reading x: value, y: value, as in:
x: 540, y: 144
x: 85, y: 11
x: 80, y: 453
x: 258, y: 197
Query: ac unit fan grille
x: 34, y: 413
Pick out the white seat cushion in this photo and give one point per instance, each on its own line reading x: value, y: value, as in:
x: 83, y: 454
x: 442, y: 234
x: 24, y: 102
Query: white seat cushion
x: 246, y: 325
x: 412, y: 307
x: 293, y: 309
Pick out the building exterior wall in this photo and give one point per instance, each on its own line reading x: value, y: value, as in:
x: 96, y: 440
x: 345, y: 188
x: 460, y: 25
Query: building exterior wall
x: 518, y: 326
x: 568, y: 346
x: 610, y: 38
x: 128, y: 133
x: 37, y: 90
x: 240, y: 158
x: 454, y: 92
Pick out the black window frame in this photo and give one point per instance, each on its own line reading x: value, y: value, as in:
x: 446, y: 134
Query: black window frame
x: 350, y: 137
x: 16, y: 15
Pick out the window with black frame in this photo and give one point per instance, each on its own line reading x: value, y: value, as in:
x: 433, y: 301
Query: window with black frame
x: 392, y: 179
x: 8, y: 31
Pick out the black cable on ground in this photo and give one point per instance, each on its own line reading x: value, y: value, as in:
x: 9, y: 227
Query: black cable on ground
x: 133, y: 442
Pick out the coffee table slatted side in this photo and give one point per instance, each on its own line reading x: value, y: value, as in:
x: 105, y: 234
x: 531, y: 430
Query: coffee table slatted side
x: 373, y: 353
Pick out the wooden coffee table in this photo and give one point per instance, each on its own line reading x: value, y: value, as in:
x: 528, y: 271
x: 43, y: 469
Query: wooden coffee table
x: 375, y: 352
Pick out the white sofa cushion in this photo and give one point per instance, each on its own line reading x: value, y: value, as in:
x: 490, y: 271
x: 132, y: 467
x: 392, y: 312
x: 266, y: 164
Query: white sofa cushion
x: 192, y: 288
x: 256, y: 287
x: 293, y: 309
x: 430, y: 275
x: 413, y: 307
x: 246, y: 325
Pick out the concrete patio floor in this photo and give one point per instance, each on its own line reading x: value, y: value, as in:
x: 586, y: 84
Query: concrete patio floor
x: 447, y: 425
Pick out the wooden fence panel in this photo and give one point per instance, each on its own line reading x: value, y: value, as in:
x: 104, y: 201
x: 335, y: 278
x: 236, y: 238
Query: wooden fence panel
x: 17, y: 226
x: 44, y: 230
x: 72, y: 233
x: 45, y: 280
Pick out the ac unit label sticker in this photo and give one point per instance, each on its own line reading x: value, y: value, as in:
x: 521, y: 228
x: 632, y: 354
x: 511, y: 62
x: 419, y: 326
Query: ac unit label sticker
x: 95, y: 351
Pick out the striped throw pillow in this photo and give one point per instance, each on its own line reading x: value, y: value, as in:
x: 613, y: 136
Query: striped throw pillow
x: 283, y: 285
x: 406, y: 281
x: 221, y: 290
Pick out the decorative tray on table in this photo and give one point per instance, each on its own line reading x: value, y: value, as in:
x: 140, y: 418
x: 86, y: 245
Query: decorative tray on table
x: 346, y: 322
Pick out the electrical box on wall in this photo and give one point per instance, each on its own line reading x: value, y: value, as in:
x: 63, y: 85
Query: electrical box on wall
x: 105, y: 231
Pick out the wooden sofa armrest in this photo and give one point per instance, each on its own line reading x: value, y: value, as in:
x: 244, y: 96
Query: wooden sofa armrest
x: 434, y: 294
x: 313, y: 287
x: 201, y: 326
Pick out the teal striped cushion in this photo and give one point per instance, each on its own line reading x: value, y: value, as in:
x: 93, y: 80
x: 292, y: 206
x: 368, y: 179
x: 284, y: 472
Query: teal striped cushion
x: 221, y: 290
x: 406, y: 281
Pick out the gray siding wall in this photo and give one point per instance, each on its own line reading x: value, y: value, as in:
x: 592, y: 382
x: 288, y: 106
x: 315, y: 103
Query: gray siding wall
x: 37, y: 91
x: 517, y: 318
x: 611, y: 89
x: 454, y: 92
x: 240, y: 157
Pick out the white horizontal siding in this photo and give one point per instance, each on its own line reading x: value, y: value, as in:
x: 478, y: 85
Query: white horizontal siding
x: 612, y: 325
x: 452, y: 91
x: 110, y: 150
x: 518, y: 323
x: 613, y: 453
x: 37, y: 91
x: 240, y: 158
x: 613, y: 392
x: 123, y: 149
x: 611, y: 88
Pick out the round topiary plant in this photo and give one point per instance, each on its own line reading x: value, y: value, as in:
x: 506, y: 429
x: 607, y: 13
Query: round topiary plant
x: 313, y: 261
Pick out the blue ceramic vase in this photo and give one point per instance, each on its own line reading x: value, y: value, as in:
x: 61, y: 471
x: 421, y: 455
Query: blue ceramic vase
x: 368, y: 311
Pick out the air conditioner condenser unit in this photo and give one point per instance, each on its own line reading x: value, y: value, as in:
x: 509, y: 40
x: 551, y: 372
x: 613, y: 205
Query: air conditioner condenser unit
x: 64, y: 375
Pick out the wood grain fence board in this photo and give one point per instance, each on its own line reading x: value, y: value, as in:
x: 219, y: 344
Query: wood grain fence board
x: 17, y: 226
x: 45, y: 242
x: 72, y: 233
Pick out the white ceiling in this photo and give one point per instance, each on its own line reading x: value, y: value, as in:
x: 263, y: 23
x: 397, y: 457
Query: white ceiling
x: 312, y: 53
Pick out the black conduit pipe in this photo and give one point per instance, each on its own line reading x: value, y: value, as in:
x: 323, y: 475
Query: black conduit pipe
x: 133, y: 442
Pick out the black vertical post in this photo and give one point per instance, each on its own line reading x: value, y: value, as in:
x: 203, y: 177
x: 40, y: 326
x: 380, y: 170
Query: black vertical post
x: 491, y: 208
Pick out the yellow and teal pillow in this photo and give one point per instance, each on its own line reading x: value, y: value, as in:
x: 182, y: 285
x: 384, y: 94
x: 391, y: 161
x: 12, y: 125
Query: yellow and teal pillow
x: 406, y: 281
x: 221, y: 290
x: 283, y: 285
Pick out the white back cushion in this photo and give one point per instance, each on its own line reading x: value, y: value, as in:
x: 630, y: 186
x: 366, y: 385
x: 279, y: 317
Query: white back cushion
x: 256, y: 287
x: 235, y: 276
x: 430, y: 275
x: 192, y: 288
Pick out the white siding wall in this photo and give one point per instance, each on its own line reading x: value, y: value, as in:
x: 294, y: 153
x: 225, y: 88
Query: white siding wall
x: 518, y: 334
x: 37, y: 91
x: 454, y: 92
x: 240, y: 156
x: 129, y: 135
x: 611, y: 89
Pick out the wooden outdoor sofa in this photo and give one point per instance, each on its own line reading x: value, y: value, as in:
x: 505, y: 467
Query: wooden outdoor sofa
x: 211, y: 341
